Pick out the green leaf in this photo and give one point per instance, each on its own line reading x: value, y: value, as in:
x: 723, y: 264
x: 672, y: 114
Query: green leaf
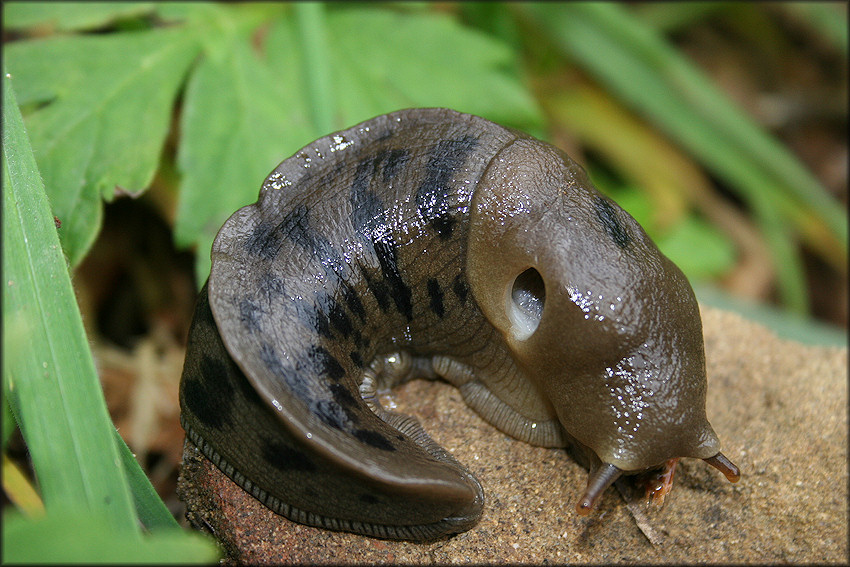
x: 79, y: 537
x: 107, y: 104
x: 716, y: 254
x: 245, y: 111
x: 678, y: 242
x: 695, y: 246
x: 240, y: 119
x: 49, y: 376
x: 455, y: 67
x: 69, y: 16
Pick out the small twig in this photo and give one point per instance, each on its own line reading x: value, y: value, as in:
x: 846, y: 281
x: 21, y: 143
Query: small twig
x: 639, y: 514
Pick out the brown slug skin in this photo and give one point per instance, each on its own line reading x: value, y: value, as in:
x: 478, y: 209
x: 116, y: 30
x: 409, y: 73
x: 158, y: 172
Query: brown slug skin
x: 429, y: 243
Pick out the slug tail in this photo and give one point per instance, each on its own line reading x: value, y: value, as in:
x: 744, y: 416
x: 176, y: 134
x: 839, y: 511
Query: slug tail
x: 597, y: 482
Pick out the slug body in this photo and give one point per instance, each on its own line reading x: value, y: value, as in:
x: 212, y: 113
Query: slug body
x: 436, y: 244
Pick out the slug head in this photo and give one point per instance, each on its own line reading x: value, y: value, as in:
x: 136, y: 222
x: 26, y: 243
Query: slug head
x: 593, y: 313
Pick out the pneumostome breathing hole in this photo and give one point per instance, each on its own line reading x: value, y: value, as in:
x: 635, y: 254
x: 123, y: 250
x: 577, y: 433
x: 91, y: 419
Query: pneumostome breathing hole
x: 525, y: 308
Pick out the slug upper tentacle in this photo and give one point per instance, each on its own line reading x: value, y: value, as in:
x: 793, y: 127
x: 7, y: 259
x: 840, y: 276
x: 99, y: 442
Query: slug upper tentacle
x: 429, y: 243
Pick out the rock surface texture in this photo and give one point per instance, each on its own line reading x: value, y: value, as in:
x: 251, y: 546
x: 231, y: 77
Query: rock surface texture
x: 780, y: 409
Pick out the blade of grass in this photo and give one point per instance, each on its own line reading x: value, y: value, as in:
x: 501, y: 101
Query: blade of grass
x: 101, y: 105
x: 829, y: 19
x: 20, y: 491
x: 786, y: 325
x: 153, y: 514
x: 312, y: 30
x: 637, y: 65
x: 688, y: 103
x: 74, y: 536
x: 628, y: 143
x: 783, y: 247
x: 49, y: 376
x: 671, y: 16
x: 8, y: 424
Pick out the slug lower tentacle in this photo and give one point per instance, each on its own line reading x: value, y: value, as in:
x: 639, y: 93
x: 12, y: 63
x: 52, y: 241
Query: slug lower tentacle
x: 432, y: 243
x: 600, y: 479
x: 724, y: 465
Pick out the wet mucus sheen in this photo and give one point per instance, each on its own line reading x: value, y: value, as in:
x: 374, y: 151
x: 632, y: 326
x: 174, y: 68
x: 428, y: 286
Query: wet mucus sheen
x: 429, y: 243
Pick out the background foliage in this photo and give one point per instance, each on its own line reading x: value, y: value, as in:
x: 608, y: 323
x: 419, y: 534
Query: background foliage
x: 195, y: 103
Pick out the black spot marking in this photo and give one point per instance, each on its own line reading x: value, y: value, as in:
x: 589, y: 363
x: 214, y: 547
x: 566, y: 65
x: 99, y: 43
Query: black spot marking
x: 369, y: 219
x: 368, y: 499
x: 357, y: 336
x: 353, y: 302
x: 341, y: 410
x: 313, y: 317
x: 356, y: 359
x: 394, y: 161
x: 332, y: 414
x: 375, y: 439
x: 297, y: 227
x: 319, y: 321
x: 380, y: 290
x: 207, y: 387
x: 284, y: 457
x: 342, y: 396
x: 270, y: 359
x: 436, y: 295
x: 210, y: 396
x: 399, y: 291
x: 367, y: 211
x: 294, y: 379
x: 432, y: 197
x: 323, y: 363
x: 250, y: 315
x: 214, y: 371
x: 264, y: 241
x: 339, y: 318
x: 368, y: 214
x: 607, y: 215
x: 270, y: 287
x: 460, y: 288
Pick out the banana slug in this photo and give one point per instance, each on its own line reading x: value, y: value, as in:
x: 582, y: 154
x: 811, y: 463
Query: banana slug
x: 429, y: 243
